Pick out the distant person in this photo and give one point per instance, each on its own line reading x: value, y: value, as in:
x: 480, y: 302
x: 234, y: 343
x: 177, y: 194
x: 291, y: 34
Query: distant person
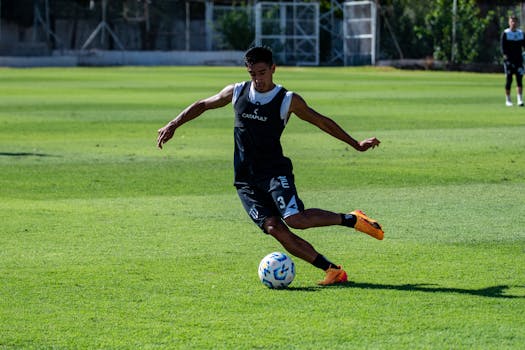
x: 262, y: 174
x: 512, y: 42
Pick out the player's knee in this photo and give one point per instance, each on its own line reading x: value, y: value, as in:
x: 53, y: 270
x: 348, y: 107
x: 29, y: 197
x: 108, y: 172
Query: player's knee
x: 278, y: 230
x: 274, y: 226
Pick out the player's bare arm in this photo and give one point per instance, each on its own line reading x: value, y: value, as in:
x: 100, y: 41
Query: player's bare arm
x: 194, y: 110
x: 300, y: 108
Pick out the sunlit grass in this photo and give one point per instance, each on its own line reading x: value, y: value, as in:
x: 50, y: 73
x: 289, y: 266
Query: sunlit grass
x: 110, y: 243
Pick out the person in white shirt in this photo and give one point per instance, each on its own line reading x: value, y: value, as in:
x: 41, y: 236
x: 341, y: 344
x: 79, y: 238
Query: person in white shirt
x: 512, y: 43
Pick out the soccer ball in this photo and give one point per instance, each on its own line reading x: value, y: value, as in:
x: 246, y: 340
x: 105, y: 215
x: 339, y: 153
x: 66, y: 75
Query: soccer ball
x: 276, y: 270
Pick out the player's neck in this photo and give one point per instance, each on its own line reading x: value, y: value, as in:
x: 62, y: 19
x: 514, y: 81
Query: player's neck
x: 270, y: 89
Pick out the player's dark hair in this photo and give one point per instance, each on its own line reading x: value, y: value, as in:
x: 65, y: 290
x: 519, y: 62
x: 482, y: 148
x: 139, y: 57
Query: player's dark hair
x: 258, y: 54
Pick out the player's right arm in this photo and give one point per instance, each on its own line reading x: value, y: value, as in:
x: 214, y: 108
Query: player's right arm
x: 194, y: 110
x: 504, y: 48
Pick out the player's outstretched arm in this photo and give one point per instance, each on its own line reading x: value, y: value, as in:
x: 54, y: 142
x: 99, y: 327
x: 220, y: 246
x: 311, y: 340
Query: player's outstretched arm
x: 194, y: 110
x: 303, y: 111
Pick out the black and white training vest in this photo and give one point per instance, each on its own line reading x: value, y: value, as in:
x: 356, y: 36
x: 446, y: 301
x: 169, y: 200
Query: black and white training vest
x: 258, y: 128
x: 512, y: 43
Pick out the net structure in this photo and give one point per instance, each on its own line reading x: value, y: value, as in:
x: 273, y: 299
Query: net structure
x: 291, y: 29
x: 360, y: 32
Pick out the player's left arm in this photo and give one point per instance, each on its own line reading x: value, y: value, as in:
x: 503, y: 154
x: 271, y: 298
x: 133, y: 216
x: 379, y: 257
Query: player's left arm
x: 300, y: 108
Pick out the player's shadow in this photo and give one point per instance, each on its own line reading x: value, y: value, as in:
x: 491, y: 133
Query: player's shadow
x: 488, y: 292
x: 302, y: 289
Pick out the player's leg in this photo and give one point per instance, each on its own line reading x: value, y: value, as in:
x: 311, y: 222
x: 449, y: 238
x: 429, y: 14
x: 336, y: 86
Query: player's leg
x: 292, y: 210
x: 508, y: 83
x: 519, y: 84
x: 313, y: 217
x: 302, y: 249
x: 319, y: 217
x: 260, y: 207
x: 294, y: 244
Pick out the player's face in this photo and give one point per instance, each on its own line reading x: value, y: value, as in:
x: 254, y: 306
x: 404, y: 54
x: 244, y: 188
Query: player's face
x: 262, y: 76
x: 513, y: 24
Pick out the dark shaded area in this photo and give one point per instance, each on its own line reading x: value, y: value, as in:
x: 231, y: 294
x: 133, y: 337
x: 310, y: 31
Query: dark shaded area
x: 488, y: 292
x: 25, y: 154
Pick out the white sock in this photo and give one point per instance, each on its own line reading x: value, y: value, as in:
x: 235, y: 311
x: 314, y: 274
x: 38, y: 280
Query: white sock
x: 520, y: 100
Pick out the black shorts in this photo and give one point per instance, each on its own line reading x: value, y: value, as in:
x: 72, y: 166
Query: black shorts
x: 513, y: 68
x: 276, y: 196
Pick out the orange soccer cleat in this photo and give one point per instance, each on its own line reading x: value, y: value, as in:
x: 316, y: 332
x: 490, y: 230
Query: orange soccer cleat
x: 334, y: 276
x: 367, y: 225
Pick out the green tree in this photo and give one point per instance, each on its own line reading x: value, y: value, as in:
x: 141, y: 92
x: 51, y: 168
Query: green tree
x: 399, y: 20
x: 470, y: 28
x: 237, y: 28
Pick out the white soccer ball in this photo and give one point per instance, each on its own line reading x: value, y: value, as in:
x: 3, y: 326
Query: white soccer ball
x: 276, y: 270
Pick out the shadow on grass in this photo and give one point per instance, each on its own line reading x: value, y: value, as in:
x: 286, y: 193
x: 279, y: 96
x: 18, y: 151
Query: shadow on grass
x: 302, y: 289
x: 489, y: 292
x: 25, y: 154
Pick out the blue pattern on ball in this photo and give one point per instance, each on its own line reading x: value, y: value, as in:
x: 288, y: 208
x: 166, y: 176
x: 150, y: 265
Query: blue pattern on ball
x: 276, y: 270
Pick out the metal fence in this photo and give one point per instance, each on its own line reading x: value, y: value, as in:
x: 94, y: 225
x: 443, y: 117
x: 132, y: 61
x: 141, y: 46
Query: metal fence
x: 39, y: 27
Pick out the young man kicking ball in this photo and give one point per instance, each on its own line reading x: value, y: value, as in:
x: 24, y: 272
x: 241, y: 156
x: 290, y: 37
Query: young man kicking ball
x: 263, y: 175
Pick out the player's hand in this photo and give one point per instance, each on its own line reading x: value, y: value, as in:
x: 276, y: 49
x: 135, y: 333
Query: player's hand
x: 368, y: 143
x: 165, y: 134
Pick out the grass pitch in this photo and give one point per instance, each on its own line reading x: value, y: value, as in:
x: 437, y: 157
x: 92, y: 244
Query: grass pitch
x: 107, y: 242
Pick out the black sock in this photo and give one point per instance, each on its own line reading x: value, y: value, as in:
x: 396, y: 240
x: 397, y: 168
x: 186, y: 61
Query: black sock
x: 322, y: 263
x: 348, y: 220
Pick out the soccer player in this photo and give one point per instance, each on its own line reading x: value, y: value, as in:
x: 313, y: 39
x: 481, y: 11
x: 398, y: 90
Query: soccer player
x: 262, y: 174
x: 512, y: 42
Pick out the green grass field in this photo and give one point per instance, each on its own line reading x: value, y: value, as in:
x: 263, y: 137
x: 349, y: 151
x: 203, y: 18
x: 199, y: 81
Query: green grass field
x: 109, y: 243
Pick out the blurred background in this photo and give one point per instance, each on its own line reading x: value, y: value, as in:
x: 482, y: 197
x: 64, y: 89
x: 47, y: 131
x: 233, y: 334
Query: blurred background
x: 462, y: 34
